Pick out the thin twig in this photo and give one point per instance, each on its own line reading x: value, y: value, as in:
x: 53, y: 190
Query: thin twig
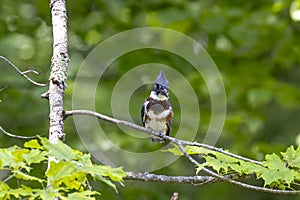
x: 23, y: 73
x: 89, y: 185
x: 31, y: 71
x: 16, y: 136
x: 180, y: 144
x: 8, y: 178
x: 3, y: 88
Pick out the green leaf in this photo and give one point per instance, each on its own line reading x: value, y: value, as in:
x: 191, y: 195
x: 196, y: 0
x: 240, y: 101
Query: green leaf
x: 18, y: 154
x: 35, y: 156
x: 115, y: 174
x: 201, y: 166
x: 60, y: 150
x: 196, y: 150
x: 58, y: 171
x: 3, y: 188
x: 7, y: 157
x: 105, y: 180
x: 277, y: 173
x: 250, y: 168
x: 270, y: 176
x: 289, y: 176
x: 238, y: 168
x: 277, y: 177
x: 86, y: 160
x: 21, y: 175
x: 292, y: 156
x: 86, y: 195
x: 273, y: 161
x: 216, y: 164
x: 75, y: 181
x: 12, y: 157
x: 225, y: 158
x: 189, y: 149
x: 17, y: 193
x: 47, y: 194
x: 175, y: 150
x: 33, y: 144
x: 100, y: 172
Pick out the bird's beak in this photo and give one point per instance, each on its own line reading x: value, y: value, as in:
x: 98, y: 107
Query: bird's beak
x: 164, y: 92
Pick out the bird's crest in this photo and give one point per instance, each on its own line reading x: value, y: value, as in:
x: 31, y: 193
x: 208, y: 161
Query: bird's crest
x: 162, y: 80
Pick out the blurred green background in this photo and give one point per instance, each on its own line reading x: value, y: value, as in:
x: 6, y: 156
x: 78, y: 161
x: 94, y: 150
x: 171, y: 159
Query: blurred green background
x: 255, y: 45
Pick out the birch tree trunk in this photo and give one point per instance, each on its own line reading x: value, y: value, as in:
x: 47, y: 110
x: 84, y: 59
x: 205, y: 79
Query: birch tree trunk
x: 59, y: 65
x: 58, y: 74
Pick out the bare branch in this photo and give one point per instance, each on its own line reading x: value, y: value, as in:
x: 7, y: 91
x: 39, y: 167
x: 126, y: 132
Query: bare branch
x: 193, y: 180
x: 16, y: 136
x: 149, y: 131
x: 180, y: 144
x: 23, y: 73
x: 31, y: 71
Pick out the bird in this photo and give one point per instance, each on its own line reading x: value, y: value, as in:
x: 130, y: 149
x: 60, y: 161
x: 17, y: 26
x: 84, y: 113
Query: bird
x: 157, y: 112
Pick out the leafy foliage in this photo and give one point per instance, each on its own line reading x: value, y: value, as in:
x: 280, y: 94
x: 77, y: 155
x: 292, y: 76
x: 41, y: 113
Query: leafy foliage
x: 68, y: 172
x: 275, y: 171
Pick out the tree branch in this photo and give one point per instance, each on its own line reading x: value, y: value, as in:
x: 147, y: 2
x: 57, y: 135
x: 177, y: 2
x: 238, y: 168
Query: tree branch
x: 23, y: 73
x: 150, y: 132
x: 16, y: 136
x: 180, y: 144
x: 192, y: 180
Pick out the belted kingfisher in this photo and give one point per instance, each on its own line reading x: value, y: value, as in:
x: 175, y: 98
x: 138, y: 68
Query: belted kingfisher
x: 157, y: 112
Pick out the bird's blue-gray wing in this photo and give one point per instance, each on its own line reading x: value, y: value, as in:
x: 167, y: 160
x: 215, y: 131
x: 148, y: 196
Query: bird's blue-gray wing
x: 143, y: 113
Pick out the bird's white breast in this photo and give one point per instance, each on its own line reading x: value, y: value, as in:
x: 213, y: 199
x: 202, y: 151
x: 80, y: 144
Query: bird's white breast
x: 157, y: 121
x: 156, y: 125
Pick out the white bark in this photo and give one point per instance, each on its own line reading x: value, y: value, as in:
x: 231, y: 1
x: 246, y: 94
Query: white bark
x: 59, y: 64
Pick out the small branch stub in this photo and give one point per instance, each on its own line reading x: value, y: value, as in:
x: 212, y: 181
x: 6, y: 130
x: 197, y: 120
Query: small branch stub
x: 174, y: 196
